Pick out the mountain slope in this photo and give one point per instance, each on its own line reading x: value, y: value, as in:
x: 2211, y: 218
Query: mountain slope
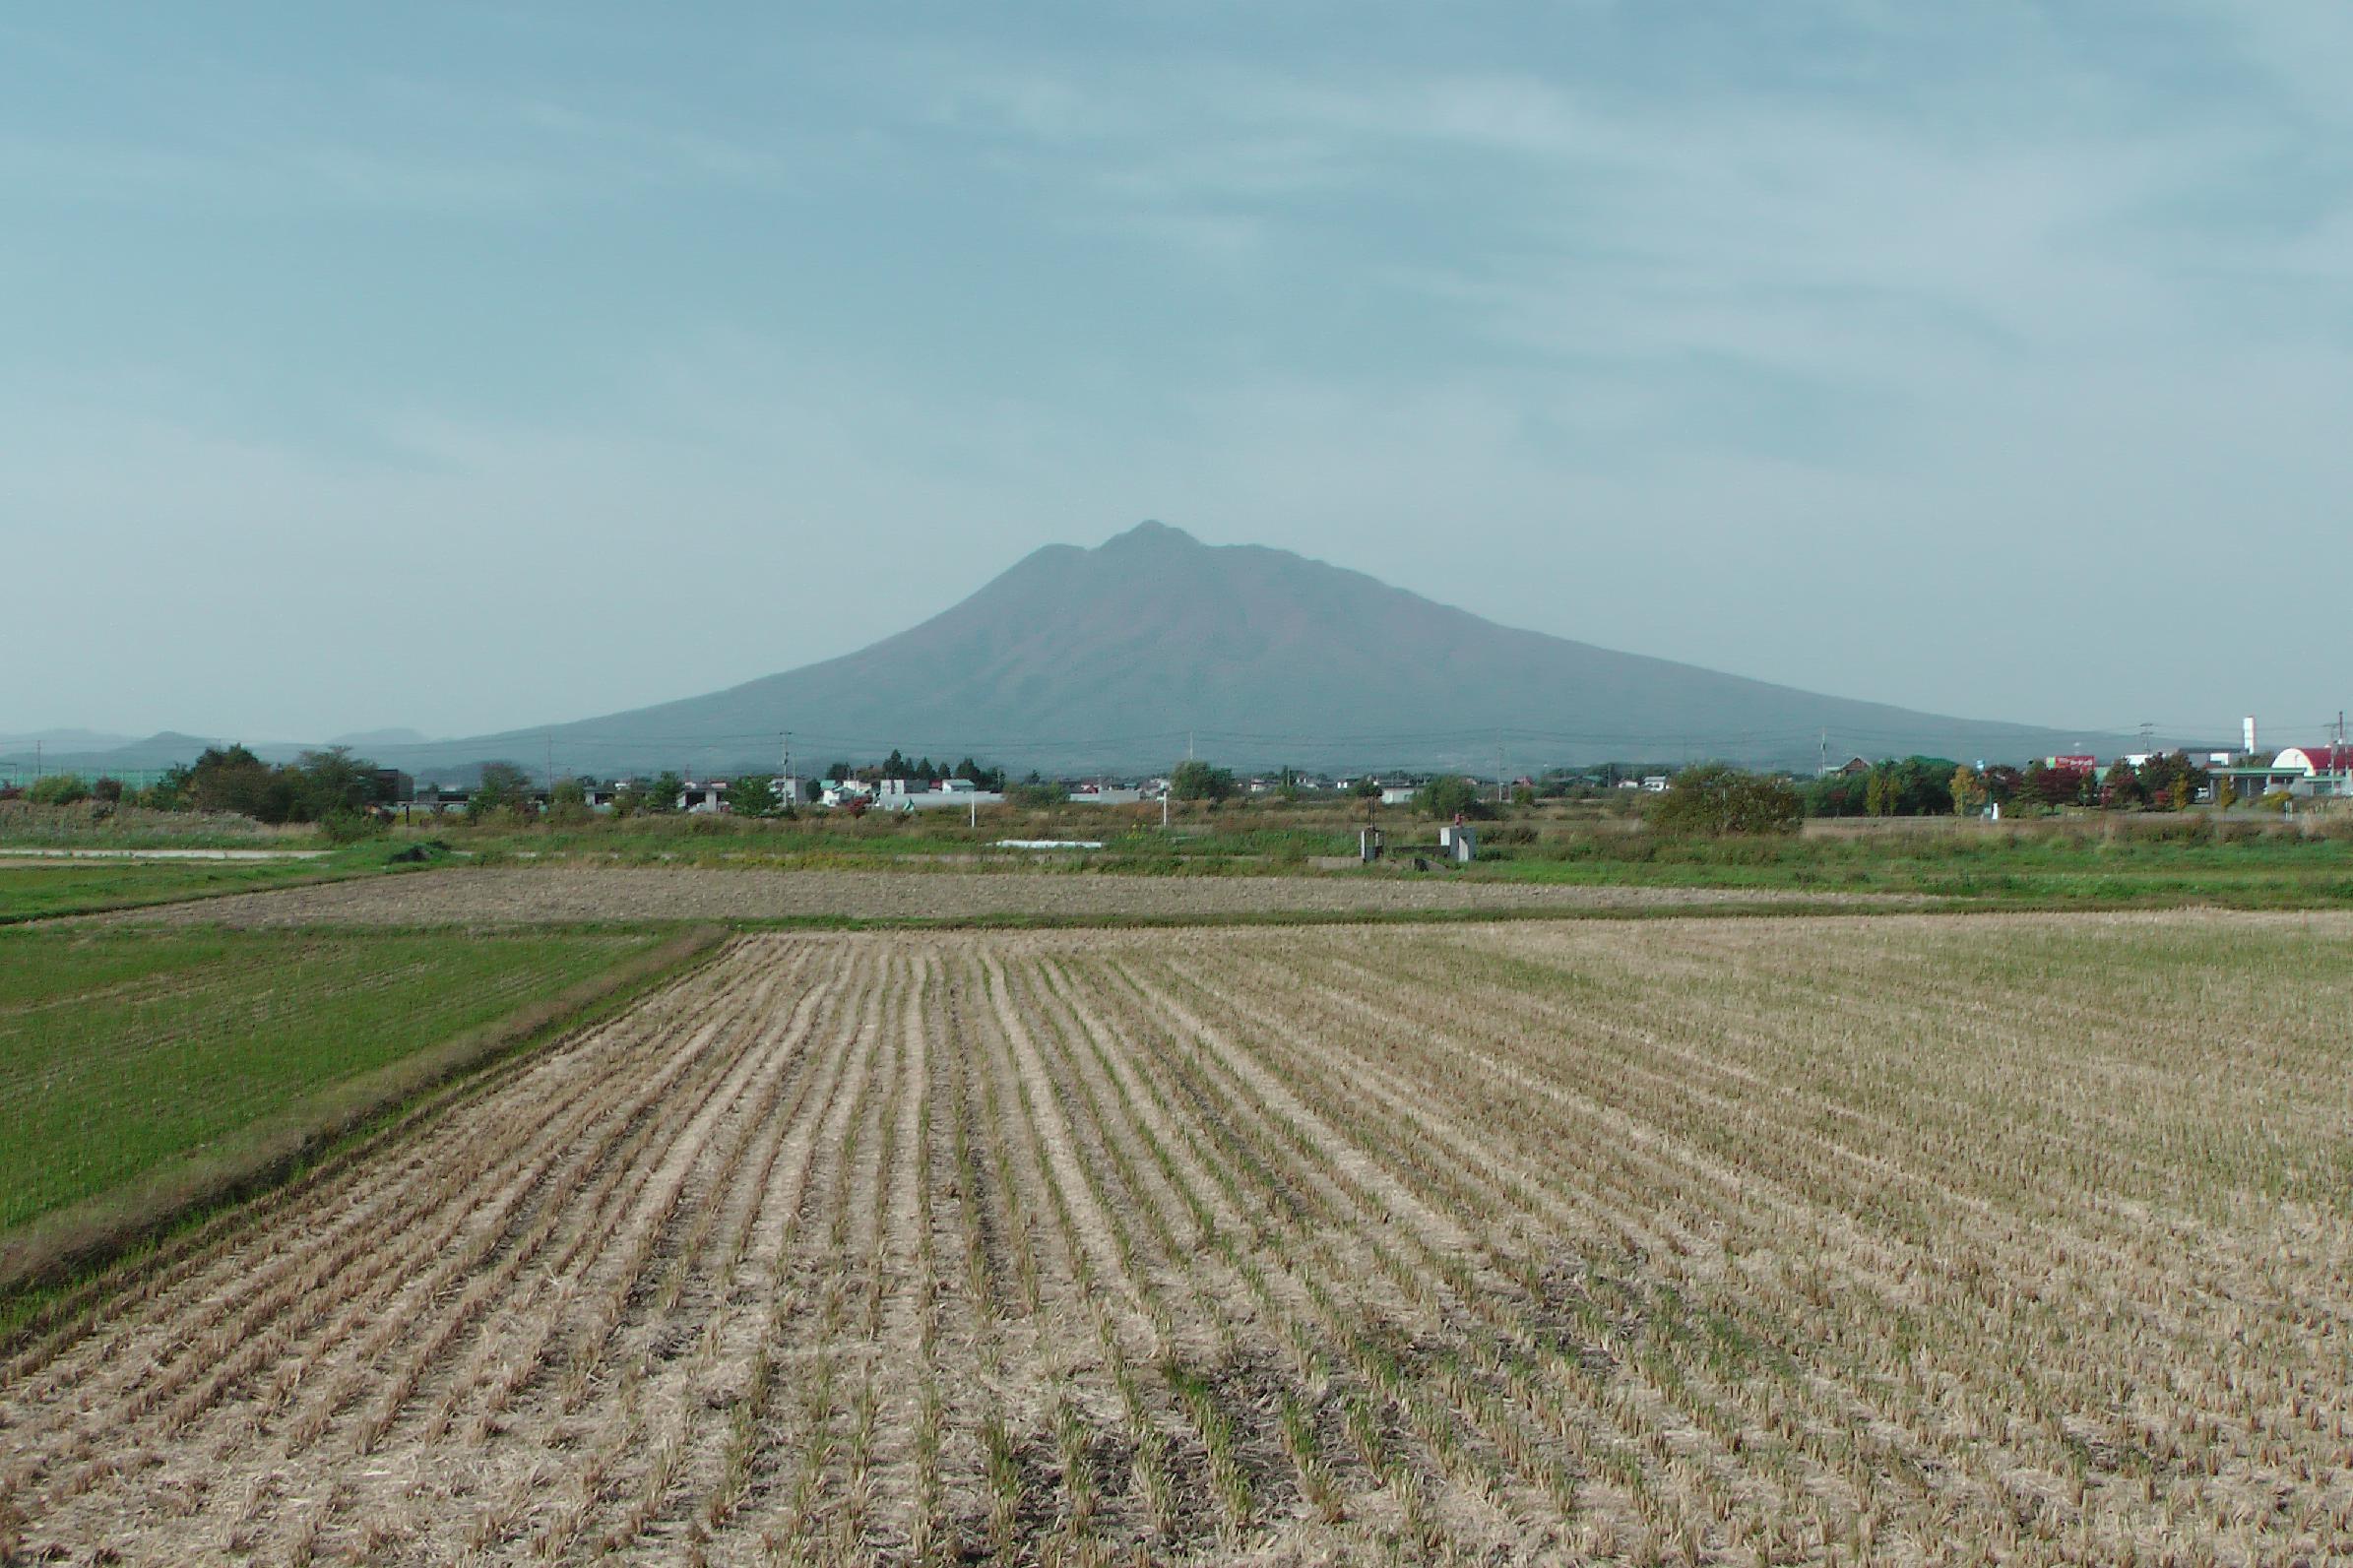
x: 1106, y: 657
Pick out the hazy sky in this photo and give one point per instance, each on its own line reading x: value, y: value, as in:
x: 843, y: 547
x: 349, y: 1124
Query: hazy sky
x: 480, y: 365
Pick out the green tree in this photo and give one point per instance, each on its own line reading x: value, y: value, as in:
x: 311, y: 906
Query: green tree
x: 232, y: 778
x: 504, y: 787
x: 1968, y: 791
x: 332, y: 784
x: 568, y: 802
x: 980, y: 778
x: 1453, y: 797
x: 1199, y: 780
x: 2123, y: 788
x: 1714, y: 799
x: 169, y: 793
x: 752, y: 796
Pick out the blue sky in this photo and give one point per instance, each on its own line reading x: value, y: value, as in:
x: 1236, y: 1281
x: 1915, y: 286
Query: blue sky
x: 469, y: 366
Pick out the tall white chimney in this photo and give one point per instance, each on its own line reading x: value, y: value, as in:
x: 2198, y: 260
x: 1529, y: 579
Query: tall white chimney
x: 2246, y: 730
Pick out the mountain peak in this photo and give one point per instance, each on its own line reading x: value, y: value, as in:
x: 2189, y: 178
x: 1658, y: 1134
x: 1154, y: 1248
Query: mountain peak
x: 1095, y: 657
x: 1151, y: 534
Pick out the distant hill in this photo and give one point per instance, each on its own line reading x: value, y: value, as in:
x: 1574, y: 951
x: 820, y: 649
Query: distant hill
x: 155, y: 752
x: 1105, y: 658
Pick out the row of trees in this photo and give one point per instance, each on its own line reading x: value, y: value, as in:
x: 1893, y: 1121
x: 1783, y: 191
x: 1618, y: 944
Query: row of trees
x: 897, y: 766
x: 330, y: 786
x: 1935, y: 786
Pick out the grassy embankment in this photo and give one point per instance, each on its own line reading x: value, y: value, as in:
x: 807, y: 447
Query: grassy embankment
x: 145, y: 1073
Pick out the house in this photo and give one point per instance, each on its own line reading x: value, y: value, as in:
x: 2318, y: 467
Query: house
x: 1655, y: 782
x: 1398, y: 794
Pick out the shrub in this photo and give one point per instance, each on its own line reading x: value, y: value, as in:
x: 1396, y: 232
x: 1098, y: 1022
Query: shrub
x: 351, y: 827
x: 1715, y: 800
x: 58, y: 789
x: 1200, y: 780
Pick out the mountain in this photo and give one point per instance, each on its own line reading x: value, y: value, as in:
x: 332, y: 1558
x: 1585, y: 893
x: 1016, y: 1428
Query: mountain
x: 1106, y: 659
x: 125, y: 757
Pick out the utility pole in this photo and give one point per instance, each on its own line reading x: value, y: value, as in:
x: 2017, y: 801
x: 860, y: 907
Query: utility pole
x: 36, y: 761
x: 1500, y: 768
x: 1822, y: 768
x: 550, y: 774
x: 1188, y: 745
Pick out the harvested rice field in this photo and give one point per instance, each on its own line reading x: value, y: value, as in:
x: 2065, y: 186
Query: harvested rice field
x: 1900, y: 1239
x: 510, y: 896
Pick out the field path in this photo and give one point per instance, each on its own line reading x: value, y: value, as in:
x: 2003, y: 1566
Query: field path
x: 1898, y: 1239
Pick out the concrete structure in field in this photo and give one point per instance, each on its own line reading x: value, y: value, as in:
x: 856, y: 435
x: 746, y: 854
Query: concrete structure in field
x: 948, y: 794
x: 1458, y: 844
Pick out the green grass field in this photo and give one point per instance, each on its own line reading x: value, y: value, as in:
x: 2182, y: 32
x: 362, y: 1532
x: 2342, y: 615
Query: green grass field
x: 121, y: 1053
x: 83, y: 887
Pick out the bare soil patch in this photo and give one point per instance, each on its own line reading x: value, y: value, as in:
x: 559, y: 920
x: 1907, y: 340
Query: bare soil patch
x: 502, y: 895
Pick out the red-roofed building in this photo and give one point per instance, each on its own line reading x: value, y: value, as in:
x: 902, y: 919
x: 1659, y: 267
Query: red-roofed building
x: 2312, y: 761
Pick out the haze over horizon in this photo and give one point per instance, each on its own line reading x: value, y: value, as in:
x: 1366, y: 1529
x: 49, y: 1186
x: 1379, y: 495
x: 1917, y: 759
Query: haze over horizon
x: 467, y: 369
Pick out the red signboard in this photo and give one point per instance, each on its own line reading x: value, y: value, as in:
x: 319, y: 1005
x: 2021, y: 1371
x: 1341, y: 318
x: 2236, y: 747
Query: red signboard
x: 2080, y: 763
